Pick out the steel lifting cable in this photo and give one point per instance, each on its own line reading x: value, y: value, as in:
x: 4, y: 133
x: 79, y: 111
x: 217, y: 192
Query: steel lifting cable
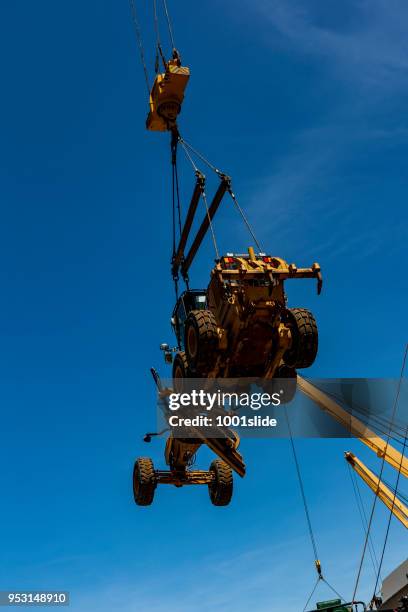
x: 311, y: 594
x: 173, y: 146
x: 383, y: 422
x: 201, y: 156
x: 251, y: 231
x: 333, y: 589
x: 173, y: 208
x: 320, y: 576
x: 380, y: 479
x: 158, y: 43
x: 363, y: 516
x: 373, y: 554
x: 183, y: 144
x: 403, y: 498
x: 175, y: 277
x: 169, y: 24
x: 178, y: 197
x: 232, y: 194
x: 302, y: 490
x: 211, y: 224
x: 175, y: 199
x: 139, y: 41
x: 203, y: 195
x: 398, y: 477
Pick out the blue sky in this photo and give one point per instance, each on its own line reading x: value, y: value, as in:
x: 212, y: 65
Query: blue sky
x: 304, y: 104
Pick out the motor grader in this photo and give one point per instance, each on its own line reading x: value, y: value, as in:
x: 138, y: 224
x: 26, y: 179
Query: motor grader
x: 180, y: 455
x: 241, y: 325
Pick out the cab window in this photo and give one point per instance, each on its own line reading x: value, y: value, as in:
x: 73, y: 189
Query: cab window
x: 200, y: 302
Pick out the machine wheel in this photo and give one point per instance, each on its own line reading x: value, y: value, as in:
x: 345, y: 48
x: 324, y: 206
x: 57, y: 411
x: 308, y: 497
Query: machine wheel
x: 305, y: 338
x: 144, y: 482
x: 201, y: 341
x: 180, y: 371
x: 220, y: 489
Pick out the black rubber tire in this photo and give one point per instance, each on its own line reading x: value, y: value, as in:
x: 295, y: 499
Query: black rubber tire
x: 180, y: 371
x: 144, y: 481
x: 220, y: 489
x: 305, y: 339
x: 200, y: 341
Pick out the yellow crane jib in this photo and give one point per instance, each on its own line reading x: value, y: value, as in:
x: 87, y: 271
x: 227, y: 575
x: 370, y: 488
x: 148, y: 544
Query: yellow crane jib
x: 388, y: 497
x: 166, y: 96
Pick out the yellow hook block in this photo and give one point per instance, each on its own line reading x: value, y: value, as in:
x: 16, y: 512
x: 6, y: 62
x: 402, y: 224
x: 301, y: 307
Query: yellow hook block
x: 167, y: 96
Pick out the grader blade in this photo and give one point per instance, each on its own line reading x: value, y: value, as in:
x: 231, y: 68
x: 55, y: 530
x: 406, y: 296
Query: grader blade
x: 221, y: 447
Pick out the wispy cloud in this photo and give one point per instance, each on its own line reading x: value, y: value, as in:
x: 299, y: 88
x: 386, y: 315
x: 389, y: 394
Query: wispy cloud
x: 373, y: 49
x: 368, y: 59
x: 259, y: 578
x: 300, y: 196
x: 269, y: 577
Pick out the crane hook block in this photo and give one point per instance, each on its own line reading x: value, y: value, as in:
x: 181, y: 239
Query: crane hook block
x: 167, y: 96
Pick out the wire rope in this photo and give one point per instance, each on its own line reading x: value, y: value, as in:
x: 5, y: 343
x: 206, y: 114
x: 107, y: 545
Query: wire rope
x: 169, y: 24
x: 379, y: 480
x: 211, y: 225
x: 312, y: 593
x: 363, y: 516
x: 302, y: 489
x: 244, y: 218
x: 397, y: 481
x: 201, y: 156
x: 186, y: 145
x: 139, y: 41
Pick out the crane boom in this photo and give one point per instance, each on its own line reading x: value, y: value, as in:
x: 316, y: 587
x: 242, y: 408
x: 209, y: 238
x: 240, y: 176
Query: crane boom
x: 355, y: 426
x: 399, y: 510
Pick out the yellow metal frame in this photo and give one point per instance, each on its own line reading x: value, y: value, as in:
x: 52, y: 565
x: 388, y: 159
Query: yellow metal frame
x: 383, y: 449
x: 354, y: 426
x: 166, y: 97
x: 189, y: 477
x: 399, y: 510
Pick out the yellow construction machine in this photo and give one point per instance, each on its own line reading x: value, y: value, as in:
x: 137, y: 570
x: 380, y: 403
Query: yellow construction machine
x: 384, y: 493
x: 241, y: 326
x: 180, y: 453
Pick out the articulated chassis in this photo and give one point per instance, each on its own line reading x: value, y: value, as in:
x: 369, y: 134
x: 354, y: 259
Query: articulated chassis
x: 218, y: 478
x: 180, y: 454
x: 188, y: 477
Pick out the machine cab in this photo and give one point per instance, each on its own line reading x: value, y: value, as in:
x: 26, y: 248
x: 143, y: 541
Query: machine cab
x: 195, y: 299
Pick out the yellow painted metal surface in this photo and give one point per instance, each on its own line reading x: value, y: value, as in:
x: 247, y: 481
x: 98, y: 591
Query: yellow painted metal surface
x: 355, y: 426
x: 167, y: 96
x: 399, y: 510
